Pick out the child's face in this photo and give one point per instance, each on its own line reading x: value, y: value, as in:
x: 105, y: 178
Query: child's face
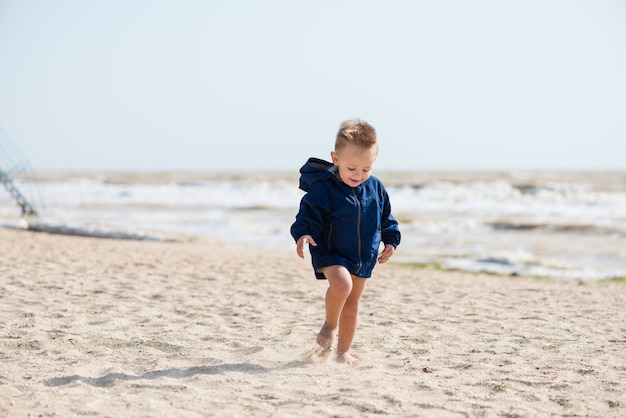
x: 354, y: 163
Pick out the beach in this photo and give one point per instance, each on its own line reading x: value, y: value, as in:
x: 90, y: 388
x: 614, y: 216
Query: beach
x: 192, y: 326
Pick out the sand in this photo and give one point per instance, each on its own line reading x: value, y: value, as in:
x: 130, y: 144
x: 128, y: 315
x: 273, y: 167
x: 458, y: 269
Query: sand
x: 195, y: 328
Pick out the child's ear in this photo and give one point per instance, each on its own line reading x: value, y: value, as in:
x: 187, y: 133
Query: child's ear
x: 333, y: 155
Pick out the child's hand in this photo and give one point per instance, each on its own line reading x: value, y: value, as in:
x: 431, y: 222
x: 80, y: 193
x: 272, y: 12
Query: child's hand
x: 386, y: 254
x: 302, y: 241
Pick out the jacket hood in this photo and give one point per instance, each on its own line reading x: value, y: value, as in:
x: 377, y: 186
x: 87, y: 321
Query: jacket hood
x: 313, y: 170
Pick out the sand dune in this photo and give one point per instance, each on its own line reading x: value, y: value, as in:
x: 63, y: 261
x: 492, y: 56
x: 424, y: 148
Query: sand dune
x: 101, y: 327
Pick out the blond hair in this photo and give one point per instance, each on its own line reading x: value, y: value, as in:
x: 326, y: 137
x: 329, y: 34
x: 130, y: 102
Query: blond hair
x: 356, y: 132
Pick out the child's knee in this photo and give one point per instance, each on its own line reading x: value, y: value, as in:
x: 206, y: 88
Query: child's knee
x: 342, y: 286
x: 339, y: 279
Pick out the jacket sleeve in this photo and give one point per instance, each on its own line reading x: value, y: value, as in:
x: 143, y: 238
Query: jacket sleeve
x: 313, y: 210
x: 390, y: 231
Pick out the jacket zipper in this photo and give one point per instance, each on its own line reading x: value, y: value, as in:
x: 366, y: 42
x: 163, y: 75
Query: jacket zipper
x: 358, y: 230
x: 330, y: 236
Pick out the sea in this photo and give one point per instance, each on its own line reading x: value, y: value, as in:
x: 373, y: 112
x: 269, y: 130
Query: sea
x: 561, y: 225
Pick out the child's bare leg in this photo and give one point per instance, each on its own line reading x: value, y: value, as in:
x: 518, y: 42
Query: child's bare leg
x: 348, y: 321
x: 339, y: 288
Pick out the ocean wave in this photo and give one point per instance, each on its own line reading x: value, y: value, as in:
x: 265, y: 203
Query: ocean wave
x: 504, y: 191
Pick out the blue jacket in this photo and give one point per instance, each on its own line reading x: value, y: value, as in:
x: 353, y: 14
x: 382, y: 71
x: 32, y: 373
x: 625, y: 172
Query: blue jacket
x: 347, y: 223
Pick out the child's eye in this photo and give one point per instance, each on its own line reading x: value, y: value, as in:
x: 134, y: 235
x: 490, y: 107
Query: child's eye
x: 351, y: 169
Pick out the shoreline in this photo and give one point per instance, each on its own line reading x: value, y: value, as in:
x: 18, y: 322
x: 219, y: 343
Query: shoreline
x: 197, y: 327
x: 163, y: 236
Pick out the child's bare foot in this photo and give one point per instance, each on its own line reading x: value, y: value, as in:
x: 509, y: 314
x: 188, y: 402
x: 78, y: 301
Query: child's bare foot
x: 346, y: 357
x: 326, y: 337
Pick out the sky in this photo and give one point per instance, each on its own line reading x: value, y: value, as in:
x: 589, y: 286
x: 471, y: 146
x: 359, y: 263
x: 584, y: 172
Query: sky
x: 263, y: 85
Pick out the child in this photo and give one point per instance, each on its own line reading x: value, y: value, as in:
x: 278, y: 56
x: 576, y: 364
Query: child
x: 343, y: 217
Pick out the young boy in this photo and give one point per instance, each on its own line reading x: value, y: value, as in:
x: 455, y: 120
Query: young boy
x: 343, y: 218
